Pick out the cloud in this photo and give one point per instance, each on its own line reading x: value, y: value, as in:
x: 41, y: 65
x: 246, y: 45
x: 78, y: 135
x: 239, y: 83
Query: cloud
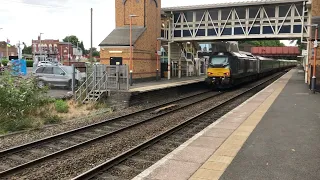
x: 52, y: 3
x: 23, y: 20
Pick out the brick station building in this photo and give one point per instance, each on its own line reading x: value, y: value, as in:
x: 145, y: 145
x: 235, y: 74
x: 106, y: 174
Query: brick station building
x: 315, y: 8
x: 146, y: 28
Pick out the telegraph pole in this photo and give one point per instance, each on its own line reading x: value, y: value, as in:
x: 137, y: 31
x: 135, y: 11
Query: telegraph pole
x: 7, y: 50
x: 91, y: 39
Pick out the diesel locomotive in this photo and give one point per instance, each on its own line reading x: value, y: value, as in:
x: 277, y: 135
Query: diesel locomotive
x: 228, y: 69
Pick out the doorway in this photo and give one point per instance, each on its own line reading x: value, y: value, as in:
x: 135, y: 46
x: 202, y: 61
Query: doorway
x: 116, y: 61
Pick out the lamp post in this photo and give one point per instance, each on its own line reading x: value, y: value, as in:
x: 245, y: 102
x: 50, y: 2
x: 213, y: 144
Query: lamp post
x: 0, y: 59
x: 131, y: 49
x: 69, y: 50
x: 61, y: 55
x: 315, y: 46
x: 158, y: 69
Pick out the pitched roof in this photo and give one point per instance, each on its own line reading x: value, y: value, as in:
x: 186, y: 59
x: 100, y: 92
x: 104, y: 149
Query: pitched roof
x: 243, y: 3
x: 121, y: 36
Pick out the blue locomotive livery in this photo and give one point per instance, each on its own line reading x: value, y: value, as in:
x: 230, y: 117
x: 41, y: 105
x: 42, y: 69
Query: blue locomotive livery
x: 228, y: 69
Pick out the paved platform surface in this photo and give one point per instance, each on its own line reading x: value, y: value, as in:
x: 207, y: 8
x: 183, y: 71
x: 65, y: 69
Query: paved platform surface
x: 286, y: 143
x: 164, y: 83
x: 273, y: 135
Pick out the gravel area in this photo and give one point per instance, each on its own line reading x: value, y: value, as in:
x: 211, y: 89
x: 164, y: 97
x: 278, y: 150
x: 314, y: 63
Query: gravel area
x: 19, y: 138
x: 71, y: 164
x: 26, y: 154
x: 81, y: 159
x: 133, y: 166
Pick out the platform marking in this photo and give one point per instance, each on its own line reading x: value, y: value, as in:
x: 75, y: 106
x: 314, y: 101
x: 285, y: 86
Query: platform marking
x: 223, y: 159
x: 223, y: 156
x: 166, y: 85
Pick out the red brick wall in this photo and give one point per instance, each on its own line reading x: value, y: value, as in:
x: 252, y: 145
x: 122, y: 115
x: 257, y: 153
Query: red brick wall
x: 44, y: 41
x: 144, y: 58
x: 130, y: 7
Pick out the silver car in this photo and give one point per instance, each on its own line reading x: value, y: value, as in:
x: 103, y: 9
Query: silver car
x: 58, y: 76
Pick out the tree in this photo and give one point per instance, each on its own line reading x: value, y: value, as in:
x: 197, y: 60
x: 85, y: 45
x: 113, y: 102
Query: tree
x: 27, y: 50
x: 95, y: 52
x: 73, y: 39
x: 269, y: 43
x: 298, y: 43
x: 81, y: 46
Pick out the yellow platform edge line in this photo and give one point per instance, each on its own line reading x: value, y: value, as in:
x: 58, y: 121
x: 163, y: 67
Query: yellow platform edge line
x: 215, y: 166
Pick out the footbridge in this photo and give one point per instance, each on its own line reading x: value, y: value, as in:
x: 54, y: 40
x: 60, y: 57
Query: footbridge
x: 185, y: 28
x: 272, y: 19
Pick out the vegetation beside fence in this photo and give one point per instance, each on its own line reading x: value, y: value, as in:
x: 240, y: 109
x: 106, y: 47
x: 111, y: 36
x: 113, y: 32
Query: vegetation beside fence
x: 24, y: 106
x: 21, y: 103
x: 28, y: 62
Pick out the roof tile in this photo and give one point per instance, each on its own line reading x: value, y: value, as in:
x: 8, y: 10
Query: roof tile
x: 121, y: 36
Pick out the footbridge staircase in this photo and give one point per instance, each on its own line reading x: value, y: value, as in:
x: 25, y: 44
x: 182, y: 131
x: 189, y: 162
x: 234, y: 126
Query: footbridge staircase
x: 101, y: 80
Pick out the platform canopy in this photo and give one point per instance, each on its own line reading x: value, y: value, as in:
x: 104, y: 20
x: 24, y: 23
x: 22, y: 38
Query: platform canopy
x: 242, y: 3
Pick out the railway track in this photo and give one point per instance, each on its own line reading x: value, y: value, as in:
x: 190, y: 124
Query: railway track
x: 54, y: 155
x: 131, y: 162
x: 20, y: 157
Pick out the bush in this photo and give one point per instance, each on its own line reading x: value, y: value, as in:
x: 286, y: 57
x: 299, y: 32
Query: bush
x: 4, y: 62
x: 17, y: 124
x: 29, y: 63
x: 20, y: 101
x: 52, y: 119
x: 61, y: 106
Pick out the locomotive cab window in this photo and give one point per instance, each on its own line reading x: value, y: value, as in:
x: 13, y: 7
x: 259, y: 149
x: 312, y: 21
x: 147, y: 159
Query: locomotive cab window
x: 219, y: 61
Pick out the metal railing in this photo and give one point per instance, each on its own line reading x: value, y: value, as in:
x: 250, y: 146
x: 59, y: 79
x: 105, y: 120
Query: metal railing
x: 96, y: 90
x: 83, y: 89
x: 102, y: 78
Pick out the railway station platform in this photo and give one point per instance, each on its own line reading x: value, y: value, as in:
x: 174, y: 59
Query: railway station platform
x: 148, y: 92
x: 273, y: 135
x: 165, y: 83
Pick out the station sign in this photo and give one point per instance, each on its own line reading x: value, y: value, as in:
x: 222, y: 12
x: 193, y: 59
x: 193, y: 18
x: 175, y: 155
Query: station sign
x: 304, y: 53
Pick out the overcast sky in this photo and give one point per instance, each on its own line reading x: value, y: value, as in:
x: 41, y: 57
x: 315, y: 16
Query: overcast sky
x: 23, y: 20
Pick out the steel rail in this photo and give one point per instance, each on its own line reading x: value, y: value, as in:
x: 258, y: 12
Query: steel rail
x: 34, y: 143
x: 123, y: 156
x: 65, y: 150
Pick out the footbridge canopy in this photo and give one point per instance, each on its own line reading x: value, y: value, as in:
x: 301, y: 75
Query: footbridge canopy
x: 271, y: 19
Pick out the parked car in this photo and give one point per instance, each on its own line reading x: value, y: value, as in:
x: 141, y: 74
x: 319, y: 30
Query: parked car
x: 45, y: 63
x: 58, y: 76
